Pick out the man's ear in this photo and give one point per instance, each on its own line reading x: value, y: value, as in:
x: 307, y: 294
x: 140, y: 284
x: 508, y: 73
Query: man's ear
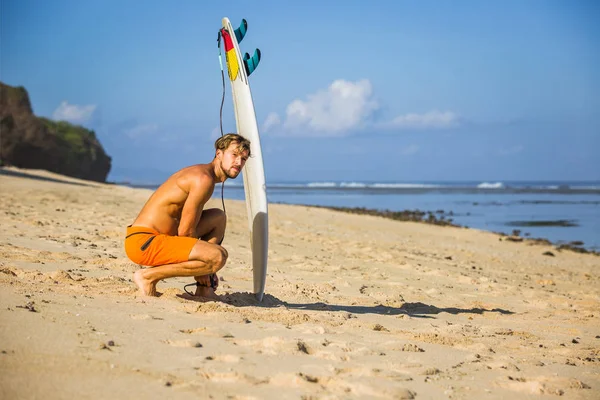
x: 219, y: 154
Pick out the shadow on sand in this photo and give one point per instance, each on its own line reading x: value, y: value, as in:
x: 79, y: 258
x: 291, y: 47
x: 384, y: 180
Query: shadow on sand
x: 417, y: 310
x: 18, y: 174
x: 412, y: 309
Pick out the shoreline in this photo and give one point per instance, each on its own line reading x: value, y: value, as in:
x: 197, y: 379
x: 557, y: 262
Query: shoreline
x: 438, y: 218
x: 468, y: 187
x: 582, y: 242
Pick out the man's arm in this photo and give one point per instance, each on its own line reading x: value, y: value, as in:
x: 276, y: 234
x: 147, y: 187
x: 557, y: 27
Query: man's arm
x: 199, y: 193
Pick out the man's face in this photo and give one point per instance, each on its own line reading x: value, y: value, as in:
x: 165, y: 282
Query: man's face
x: 232, y: 160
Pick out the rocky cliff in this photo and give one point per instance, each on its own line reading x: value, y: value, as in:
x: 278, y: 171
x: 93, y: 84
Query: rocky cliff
x: 27, y: 141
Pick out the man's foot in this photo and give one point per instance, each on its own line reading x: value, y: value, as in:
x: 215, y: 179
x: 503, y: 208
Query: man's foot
x: 206, y: 292
x: 147, y: 288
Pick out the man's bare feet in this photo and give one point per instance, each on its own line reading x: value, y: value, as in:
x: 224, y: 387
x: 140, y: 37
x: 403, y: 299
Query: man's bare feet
x: 206, y: 292
x: 147, y: 287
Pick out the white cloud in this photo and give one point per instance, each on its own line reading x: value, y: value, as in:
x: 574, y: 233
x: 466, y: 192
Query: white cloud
x: 428, y: 120
x: 141, y: 130
x: 73, y: 113
x: 335, y: 111
x: 345, y: 107
x: 271, y: 121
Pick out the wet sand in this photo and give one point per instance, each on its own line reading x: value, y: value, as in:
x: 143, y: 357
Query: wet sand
x: 356, y: 307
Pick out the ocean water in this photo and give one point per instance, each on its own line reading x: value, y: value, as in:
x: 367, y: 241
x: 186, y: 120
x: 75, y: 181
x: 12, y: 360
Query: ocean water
x: 491, y: 206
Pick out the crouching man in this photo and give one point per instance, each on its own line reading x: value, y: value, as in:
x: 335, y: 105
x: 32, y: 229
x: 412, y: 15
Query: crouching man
x: 173, y: 235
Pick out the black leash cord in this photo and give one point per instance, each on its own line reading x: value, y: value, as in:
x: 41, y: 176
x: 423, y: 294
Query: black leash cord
x: 212, y: 279
x: 221, y: 120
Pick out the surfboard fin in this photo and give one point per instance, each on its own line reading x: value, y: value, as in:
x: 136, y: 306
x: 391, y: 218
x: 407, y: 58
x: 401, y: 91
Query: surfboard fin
x: 251, y: 62
x: 241, y: 31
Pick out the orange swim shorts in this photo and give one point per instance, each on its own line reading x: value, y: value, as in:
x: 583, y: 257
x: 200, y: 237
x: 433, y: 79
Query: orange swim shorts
x: 148, y: 247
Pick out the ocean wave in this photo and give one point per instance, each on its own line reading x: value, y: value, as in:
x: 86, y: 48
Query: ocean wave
x: 404, y: 186
x: 454, y: 187
x: 353, y: 185
x: 229, y: 184
x: 287, y: 185
x: 321, y: 184
x: 487, y: 185
x: 363, y: 185
x: 584, y: 187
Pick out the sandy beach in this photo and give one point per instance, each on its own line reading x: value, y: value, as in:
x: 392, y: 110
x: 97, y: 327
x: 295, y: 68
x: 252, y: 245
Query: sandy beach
x: 355, y: 307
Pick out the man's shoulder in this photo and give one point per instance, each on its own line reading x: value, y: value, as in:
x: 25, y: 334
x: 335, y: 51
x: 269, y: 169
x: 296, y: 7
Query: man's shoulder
x: 198, y: 174
x: 200, y: 171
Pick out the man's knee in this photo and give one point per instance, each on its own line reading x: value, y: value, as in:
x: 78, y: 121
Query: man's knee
x: 219, y: 258
x: 221, y: 217
x: 217, y: 214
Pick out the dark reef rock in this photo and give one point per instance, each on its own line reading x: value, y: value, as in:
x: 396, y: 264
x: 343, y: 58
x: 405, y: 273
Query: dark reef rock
x: 27, y: 141
x: 428, y: 217
x: 558, y: 222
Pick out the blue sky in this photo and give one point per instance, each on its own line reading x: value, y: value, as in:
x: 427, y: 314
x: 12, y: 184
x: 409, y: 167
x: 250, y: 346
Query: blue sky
x: 346, y: 90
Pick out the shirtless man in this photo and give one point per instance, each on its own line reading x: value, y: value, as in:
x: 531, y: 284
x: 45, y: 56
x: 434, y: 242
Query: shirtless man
x: 174, y: 235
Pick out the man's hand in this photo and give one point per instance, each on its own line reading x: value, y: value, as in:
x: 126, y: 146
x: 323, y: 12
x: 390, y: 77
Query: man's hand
x: 205, y: 280
x: 200, y: 190
x: 214, y: 281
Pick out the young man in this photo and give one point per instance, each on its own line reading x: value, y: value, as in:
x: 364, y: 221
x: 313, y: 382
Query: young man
x: 173, y: 233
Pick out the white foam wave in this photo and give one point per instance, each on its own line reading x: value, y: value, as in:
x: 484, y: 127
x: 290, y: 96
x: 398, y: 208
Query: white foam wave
x: 233, y: 184
x: 286, y: 185
x: 353, y: 185
x: 321, y: 184
x: 585, y: 187
x: 404, y: 186
x: 487, y: 185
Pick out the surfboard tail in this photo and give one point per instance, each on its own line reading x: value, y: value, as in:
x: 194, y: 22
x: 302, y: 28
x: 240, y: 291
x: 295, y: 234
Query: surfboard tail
x: 232, y: 42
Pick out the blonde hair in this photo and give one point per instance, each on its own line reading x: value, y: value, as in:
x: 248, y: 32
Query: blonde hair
x: 225, y: 141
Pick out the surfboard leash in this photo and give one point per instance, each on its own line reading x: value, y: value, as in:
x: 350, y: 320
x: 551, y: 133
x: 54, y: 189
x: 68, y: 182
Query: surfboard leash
x: 211, y: 277
x: 221, y: 120
x: 213, y: 285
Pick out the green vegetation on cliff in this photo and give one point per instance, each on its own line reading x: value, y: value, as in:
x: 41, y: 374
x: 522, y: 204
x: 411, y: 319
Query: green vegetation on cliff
x: 75, y: 139
x: 15, y: 95
x: 28, y: 141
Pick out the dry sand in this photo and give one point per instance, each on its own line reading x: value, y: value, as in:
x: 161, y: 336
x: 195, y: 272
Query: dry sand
x: 356, y: 307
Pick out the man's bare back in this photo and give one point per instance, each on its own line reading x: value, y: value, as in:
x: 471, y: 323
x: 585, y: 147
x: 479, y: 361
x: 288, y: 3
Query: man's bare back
x: 163, y: 211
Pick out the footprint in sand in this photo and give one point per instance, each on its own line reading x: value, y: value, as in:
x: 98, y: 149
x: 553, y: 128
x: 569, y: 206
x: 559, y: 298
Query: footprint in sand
x: 542, y: 384
x: 364, y: 386
x: 232, y: 377
x: 401, y: 394
x: 275, y: 345
x: 183, y: 343
x: 144, y: 317
x: 60, y: 276
x: 228, y: 358
x: 192, y: 331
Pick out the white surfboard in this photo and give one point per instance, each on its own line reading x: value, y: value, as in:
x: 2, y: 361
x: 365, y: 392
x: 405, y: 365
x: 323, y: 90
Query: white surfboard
x: 254, y: 174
